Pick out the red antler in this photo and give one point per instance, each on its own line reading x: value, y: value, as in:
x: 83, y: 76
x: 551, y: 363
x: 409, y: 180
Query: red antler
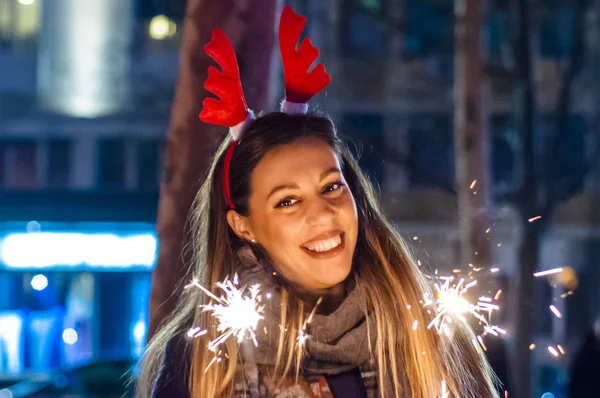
x: 300, y: 84
x: 231, y: 109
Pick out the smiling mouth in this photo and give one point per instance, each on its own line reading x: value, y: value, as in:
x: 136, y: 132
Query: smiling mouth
x: 324, y: 245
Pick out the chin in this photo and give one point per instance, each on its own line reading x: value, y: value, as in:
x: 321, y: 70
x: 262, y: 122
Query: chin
x: 335, y: 276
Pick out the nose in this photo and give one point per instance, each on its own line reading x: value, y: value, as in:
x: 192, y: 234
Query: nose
x: 320, y: 212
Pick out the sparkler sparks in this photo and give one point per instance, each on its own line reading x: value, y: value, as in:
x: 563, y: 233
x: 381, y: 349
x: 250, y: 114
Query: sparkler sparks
x: 566, y: 294
x: 498, y: 294
x: 553, y: 351
x: 556, y: 353
x: 548, y: 272
x: 445, y: 393
x: 302, y: 335
x: 237, y: 312
x: 451, y: 305
x: 555, y: 311
x: 480, y: 340
x: 196, y: 332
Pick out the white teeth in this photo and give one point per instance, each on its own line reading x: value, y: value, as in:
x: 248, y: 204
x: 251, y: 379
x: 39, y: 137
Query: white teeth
x: 325, y: 244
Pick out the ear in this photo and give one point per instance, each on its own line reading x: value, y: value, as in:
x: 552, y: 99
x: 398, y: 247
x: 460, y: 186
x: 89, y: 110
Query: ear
x: 240, y: 225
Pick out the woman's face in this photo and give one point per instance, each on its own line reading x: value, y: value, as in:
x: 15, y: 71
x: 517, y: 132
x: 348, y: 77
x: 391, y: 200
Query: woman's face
x: 303, y: 214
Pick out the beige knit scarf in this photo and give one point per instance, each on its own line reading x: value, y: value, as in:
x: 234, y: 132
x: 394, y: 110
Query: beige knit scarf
x: 338, y: 342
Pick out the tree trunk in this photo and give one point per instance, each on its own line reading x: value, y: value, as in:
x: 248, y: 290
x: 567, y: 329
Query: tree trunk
x: 528, y: 255
x: 527, y: 203
x: 191, y: 144
x: 471, y: 141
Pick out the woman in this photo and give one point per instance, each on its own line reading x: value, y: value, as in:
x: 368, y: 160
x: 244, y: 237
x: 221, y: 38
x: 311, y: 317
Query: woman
x: 285, y: 205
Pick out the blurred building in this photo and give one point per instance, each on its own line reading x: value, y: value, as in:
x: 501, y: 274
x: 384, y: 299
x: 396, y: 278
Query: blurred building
x: 84, y: 108
x: 85, y: 95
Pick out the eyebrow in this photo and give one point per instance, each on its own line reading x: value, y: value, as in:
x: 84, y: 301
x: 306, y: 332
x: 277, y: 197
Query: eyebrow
x: 330, y: 170
x: 323, y: 175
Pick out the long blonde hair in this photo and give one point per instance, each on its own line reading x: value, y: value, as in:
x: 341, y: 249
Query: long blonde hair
x: 414, y: 362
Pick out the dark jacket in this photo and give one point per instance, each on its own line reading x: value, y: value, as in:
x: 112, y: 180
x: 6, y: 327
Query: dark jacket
x: 173, y: 377
x: 172, y: 380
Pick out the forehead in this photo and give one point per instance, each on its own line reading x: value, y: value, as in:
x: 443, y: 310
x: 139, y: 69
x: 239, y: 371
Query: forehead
x: 287, y: 163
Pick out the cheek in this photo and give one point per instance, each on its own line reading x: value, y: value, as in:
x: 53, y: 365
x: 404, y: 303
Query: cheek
x: 282, y: 231
x: 281, y: 241
x: 349, y: 213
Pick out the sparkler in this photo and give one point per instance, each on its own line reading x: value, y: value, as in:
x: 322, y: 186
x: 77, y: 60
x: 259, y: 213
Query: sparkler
x: 237, y: 312
x: 452, y: 305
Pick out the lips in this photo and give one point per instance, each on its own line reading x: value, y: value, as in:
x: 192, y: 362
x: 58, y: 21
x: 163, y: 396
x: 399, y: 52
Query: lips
x: 324, y: 242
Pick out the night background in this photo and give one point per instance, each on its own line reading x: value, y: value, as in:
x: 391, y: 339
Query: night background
x: 99, y: 139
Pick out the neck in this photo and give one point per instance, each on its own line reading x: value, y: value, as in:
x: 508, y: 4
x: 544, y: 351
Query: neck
x: 332, y: 297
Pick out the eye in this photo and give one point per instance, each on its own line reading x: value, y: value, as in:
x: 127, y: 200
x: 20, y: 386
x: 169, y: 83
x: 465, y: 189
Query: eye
x: 334, y: 187
x: 287, y: 202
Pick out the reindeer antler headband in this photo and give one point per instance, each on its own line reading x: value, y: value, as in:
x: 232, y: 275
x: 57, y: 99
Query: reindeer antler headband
x: 231, y: 109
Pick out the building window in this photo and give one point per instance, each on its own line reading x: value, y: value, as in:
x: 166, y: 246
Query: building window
x: 495, y: 32
x: 365, y: 133
x: 431, y: 151
x: 19, y: 21
x: 503, y: 163
x: 112, y: 163
x: 363, y: 29
x: 59, y: 163
x: 20, y: 160
x: 149, y: 164
x: 555, y: 29
x: 429, y: 28
x: 570, y: 156
x: 504, y: 153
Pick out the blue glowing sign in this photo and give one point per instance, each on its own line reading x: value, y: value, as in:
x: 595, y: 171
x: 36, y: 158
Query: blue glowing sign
x: 78, y: 250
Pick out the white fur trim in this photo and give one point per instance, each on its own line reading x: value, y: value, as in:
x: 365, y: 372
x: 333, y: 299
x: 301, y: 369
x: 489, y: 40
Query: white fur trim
x: 238, y: 130
x: 294, y: 108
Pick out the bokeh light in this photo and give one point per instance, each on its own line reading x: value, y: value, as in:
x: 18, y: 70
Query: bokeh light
x: 39, y: 282
x: 69, y: 336
x: 161, y: 27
